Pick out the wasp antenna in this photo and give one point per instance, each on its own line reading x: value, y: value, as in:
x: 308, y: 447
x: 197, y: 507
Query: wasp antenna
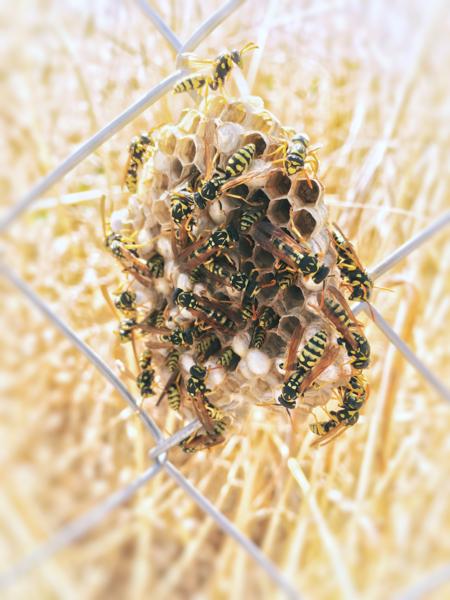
x: 248, y: 47
x: 103, y: 214
x: 109, y: 302
x: 135, y: 352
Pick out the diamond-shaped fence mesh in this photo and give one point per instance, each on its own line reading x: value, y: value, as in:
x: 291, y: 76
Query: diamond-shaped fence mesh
x: 158, y: 456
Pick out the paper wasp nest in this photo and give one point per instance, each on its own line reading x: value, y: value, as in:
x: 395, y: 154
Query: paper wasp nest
x: 182, y: 158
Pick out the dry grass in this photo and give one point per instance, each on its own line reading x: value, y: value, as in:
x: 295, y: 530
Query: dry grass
x: 364, y: 517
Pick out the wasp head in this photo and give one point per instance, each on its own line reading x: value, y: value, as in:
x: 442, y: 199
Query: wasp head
x: 236, y: 57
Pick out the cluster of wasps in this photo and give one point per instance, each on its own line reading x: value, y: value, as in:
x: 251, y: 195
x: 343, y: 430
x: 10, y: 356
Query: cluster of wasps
x: 223, y: 298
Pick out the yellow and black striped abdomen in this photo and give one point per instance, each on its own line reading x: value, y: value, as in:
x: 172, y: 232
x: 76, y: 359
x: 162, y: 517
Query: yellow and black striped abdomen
x: 195, y: 82
x: 338, y: 312
x: 313, y: 350
x: 240, y: 161
x: 174, y: 395
x: 173, y: 360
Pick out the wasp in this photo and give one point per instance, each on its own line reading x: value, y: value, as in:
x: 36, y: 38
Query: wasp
x: 196, y: 382
x: 284, y: 275
x: 309, y: 356
x: 268, y: 319
x: 224, y: 63
x: 192, y: 83
x: 156, y: 318
x: 210, y: 416
x: 200, y: 251
x: 142, y: 270
x: 186, y: 299
x: 207, y: 347
x: 155, y: 265
x: 275, y: 240
x: 350, y: 267
x: 313, y: 350
x: 184, y: 337
x: 181, y: 206
x: 212, y: 266
x: 119, y: 246
x: 197, y: 389
x: 198, y: 274
x: 126, y: 302
x: 173, y: 360
x: 126, y: 328
x: 229, y: 359
x: 205, y: 308
x: 290, y: 391
x: 221, y: 67
x: 173, y: 386
x: 174, y: 395
x: 355, y: 393
x: 250, y: 217
x: 236, y: 165
x: 139, y: 151
x: 298, y: 153
x: 145, y: 381
x: 323, y: 427
x: 202, y: 441
x: 353, y: 397
x: 339, y: 313
x: 249, y: 308
x: 125, y: 251
x: 218, y: 268
x: 209, y: 191
x: 246, y: 283
x: 360, y: 355
x: 239, y: 281
x: 145, y: 359
x: 258, y: 337
x: 239, y: 161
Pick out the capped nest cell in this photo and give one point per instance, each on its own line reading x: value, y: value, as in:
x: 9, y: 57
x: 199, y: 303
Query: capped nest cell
x: 236, y: 285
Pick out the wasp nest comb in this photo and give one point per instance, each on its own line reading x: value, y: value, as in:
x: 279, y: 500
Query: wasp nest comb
x: 236, y: 286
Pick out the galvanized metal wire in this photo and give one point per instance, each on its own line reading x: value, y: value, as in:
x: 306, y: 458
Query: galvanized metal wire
x: 158, y: 454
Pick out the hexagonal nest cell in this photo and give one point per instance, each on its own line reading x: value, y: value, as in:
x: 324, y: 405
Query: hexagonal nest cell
x: 305, y: 191
x: 304, y: 222
x: 227, y: 273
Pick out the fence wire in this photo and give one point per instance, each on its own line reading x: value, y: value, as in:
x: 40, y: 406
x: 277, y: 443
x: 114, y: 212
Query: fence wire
x: 158, y: 454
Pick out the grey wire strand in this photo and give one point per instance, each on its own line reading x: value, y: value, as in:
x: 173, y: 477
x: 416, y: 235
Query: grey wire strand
x: 172, y: 441
x: 119, y: 122
x: 395, y: 339
x: 82, y: 346
x: 227, y: 526
x: 89, y: 146
x: 210, y: 24
x: 428, y: 584
x: 410, y: 245
x: 76, y: 529
x: 160, y: 25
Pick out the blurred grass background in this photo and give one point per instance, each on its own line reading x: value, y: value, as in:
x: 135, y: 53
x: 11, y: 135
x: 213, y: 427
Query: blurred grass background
x: 369, y: 82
